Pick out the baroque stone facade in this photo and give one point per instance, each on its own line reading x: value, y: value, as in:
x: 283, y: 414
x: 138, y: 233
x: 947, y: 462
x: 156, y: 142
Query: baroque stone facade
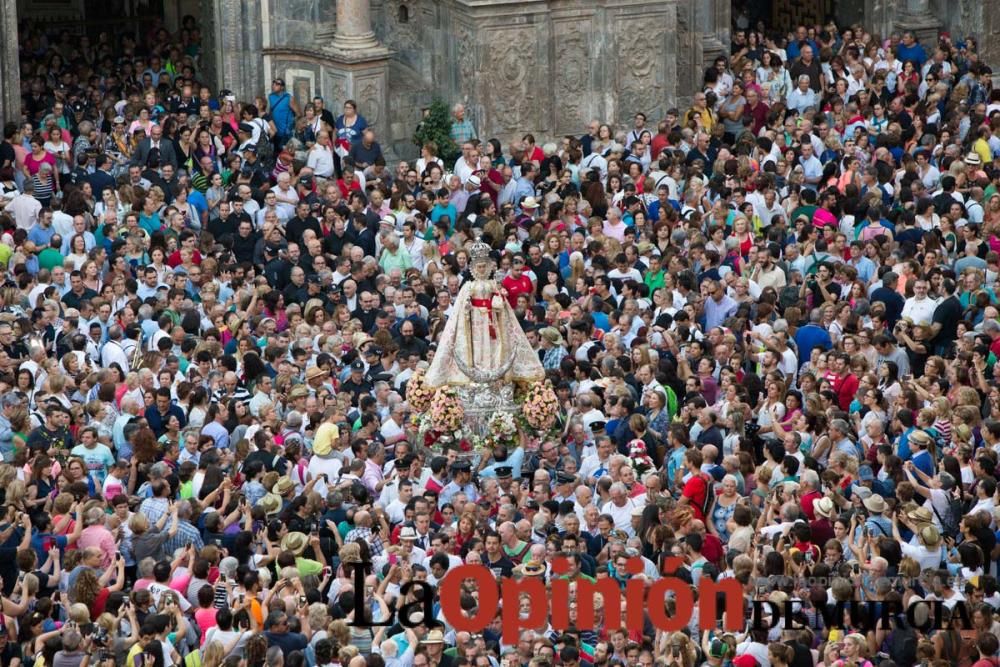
x: 545, y: 66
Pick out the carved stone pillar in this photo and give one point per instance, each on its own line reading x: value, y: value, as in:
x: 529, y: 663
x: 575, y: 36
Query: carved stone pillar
x: 354, y: 26
x: 10, y: 73
x: 916, y: 16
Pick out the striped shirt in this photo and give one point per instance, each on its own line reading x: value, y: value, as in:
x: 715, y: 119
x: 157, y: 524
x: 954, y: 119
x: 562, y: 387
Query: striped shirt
x: 43, y: 187
x: 240, y: 394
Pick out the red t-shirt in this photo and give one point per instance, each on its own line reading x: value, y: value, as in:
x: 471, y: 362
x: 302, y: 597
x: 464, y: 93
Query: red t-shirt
x: 175, y: 259
x: 808, y: 546
x: 712, y: 549
x: 516, y: 287
x: 846, y: 391
x: 660, y: 142
x: 97, y: 608
x: 496, y: 177
x: 695, y: 490
x: 346, y: 191
x: 807, y: 504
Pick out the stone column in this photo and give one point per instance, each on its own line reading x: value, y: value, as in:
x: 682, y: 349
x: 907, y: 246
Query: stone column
x: 354, y: 26
x: 916, y: 16
x: 10, y: 71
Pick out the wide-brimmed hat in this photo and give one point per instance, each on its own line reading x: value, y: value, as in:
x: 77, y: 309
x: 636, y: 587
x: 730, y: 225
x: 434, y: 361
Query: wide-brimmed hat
x: 921, y: 438
x: 930, y: 535
x: 283, y: 486
x: 271, y: 504
x: 920, y: 515
x: 972, y: 159
x: 433, y: 637
x: 824, y: 507
x: 552, y: 335
x: 314, y: 372
x: 875, y: 504
x: 408, y: 533
x: 298, y: 391
x: 529, y: 202
x: 532, y: 569
x: 295, y: 542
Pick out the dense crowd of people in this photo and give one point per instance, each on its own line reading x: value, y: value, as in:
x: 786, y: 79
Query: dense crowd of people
x: 771, y: 320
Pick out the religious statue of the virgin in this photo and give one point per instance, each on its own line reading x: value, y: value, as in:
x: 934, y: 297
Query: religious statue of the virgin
x: 482, y: 342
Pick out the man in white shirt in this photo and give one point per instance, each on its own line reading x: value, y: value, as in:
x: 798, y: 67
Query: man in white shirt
x: 396, y: 509
x: 113, y: 352
x: 620, y: 508
x: 285, y: 195
x: 595, y: 161
x: 811, y: 166
x: 24, y: 207
x: 468, y: 163
x: 588, y: 413
x: 597, y: 465
x: 919, y: 308
x: 767, y: 206
x: 320, y: 158
x: 392, y: 428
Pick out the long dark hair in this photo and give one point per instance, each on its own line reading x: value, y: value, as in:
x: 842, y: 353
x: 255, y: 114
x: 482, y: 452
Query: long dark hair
x: 155, y: 649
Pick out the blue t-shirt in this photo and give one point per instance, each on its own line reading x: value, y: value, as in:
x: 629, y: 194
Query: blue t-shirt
x: 924, y: 462
x: 903, y: 445
x: 199, y: 202
x: 810, y: 337
x: 42, y: 542
x: 914, y: 52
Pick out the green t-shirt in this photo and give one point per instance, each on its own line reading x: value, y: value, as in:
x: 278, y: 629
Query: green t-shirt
x: 654, y: 281
x: 50, y: 258
x: 307, y: 566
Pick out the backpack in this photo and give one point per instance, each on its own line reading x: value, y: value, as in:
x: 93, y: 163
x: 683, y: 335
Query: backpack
x: 903, y: 644
x: 265, y: 148
x: 706, y: 506
x: 949, y: 523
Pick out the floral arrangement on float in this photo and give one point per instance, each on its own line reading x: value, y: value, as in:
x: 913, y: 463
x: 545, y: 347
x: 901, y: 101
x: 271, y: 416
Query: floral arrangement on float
x: 639, y: 458
x: 539, y: 407
x: 438, y: 417
x: 501, y: 430
x: 418, y: 394
x: 446, y: 411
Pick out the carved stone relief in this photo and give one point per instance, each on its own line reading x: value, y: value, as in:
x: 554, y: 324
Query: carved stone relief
x: 511, y: 77
x: 466, y: 52
x: 639, y: 81
x: 369, y: 92
x: 335, y: 91
x: 570, y: 73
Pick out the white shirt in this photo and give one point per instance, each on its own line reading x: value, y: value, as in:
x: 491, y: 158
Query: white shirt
x: 25, y: 209
x: 62, y: 223
x: 287, y: 200
x: 113, y: 353
x: 390, y: 429
x: 591, y: 416
x: 320, y: 160
x: 920, y: 311
x: 415, y: 247
x: 463, y: 169
x: 622, y: 515
x: 592, y: 464
x: 595, y: 161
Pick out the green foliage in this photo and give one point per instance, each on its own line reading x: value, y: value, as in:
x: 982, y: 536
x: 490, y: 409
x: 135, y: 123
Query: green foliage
x: 436, y: 127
